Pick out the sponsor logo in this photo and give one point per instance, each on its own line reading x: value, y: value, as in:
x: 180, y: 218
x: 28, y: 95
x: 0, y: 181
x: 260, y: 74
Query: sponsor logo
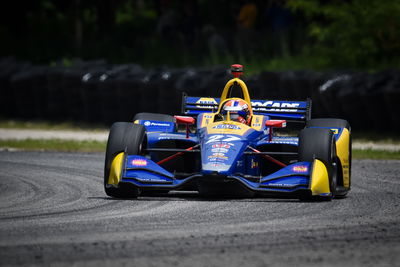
x: 206, y: 100
x: 274, y: 106
x: 300, y: 168
x: 227, y: 126
x: 150, y: 123
x: 220, y: 149
x: 139, y: 162
x: 218, y: 155
x: 221, y: 145
x: 216, y: 159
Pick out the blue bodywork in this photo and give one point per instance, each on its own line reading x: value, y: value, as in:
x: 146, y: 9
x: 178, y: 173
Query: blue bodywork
x: 221, y: 157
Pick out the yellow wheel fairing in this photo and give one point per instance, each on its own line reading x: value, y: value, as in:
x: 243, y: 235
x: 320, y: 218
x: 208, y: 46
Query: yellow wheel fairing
x: 116, y: 169
x: 343, y: 152
x: 319, y: 179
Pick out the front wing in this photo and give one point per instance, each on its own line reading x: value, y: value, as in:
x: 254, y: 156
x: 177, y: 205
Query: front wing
x: 296, y: 179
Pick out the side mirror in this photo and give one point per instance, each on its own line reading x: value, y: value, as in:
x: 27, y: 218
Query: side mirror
x: 274, y: 124
x: 185, y: 120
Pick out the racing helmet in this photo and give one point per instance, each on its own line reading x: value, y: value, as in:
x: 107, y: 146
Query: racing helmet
x: 238, y: 110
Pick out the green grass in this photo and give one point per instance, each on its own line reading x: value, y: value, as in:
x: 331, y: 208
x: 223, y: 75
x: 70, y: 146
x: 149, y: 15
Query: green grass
x: 54, y: 145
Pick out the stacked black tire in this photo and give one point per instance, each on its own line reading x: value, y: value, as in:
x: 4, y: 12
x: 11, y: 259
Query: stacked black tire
x: 98, y: 92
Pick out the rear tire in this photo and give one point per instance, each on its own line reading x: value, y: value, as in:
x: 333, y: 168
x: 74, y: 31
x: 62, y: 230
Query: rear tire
x: 124, y: 137
x: 319, y: 143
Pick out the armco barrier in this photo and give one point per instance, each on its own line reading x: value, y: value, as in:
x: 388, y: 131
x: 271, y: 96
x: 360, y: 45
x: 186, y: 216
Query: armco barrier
x: 97, y: 92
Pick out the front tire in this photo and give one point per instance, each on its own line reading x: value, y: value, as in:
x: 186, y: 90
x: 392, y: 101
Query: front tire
x: 337, y: 123
x: 319, y: 143
x: 124, y: 137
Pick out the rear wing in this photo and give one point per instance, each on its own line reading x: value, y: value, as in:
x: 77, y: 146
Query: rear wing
x: 291, y: 111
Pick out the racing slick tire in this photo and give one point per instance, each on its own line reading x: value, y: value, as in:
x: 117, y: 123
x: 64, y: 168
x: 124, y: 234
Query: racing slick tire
x: 335, y: 123
x: 319, y: 143
x: 124, y: 137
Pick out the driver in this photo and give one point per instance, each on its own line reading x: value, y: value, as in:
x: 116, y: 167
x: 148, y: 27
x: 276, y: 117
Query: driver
x: 238, y: 111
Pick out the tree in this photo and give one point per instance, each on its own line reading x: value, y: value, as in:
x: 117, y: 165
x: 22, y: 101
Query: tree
x: 354, y: 33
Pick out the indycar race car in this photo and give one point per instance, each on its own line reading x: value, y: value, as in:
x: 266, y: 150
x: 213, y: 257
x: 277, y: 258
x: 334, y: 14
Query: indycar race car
x: 231, y: 146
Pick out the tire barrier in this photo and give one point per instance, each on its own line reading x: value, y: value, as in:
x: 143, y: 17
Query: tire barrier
x: 101, y: 93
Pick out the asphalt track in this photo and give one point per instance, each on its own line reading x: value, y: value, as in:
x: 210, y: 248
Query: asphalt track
x: 53, y: 211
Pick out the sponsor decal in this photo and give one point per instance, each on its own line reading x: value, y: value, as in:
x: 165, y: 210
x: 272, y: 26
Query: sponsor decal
x: 227, y: 126
x: 300, y: 168
x: 139, y: 162
x: 272, y: 104
x: 217, y: 159
x: 275, y: 106
x: 221, y: 145
x: 150, y: 123
x: 218, y: 155
x: 222, y: 150
x: 206, y: 100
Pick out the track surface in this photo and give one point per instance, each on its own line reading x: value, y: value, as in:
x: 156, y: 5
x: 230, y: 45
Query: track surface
x: 53, y: 211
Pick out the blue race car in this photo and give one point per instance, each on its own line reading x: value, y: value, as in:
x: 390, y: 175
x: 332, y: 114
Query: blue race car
x: 231, y: 147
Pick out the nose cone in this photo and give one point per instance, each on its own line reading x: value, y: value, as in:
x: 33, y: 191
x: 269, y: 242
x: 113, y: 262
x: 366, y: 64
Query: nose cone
x: 221, y: 157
